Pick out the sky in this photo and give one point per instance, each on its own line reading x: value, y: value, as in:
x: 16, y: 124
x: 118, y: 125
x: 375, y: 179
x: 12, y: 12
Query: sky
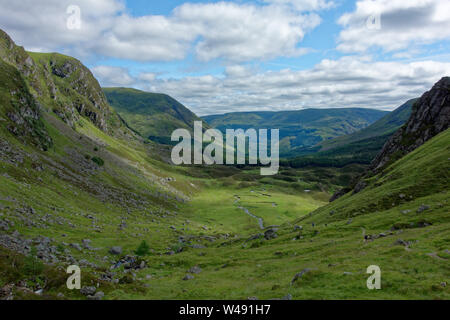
x: 246, y: 55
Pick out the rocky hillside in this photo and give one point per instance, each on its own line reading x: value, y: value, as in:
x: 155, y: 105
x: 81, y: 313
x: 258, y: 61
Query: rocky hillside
x: 61, y: 84
x: 430, y: 116
x: 19, y: 111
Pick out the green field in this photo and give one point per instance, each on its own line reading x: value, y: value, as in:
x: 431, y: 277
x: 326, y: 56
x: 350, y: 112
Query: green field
x: 76, y: 181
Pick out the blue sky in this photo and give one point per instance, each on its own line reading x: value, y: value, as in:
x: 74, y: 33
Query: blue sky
x: 224, y: 56
x: 322, y: 41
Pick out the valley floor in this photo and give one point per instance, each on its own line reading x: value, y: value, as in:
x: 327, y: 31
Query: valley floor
x: 203, y: 242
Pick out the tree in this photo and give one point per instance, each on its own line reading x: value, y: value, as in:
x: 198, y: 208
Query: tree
x: 143, y: 249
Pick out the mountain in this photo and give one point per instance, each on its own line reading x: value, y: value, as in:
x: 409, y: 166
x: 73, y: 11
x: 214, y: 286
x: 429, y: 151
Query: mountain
x: 430, y: 116
x: 152, y: 115
x: 79, y: 189
x: 61, y: 84
x: 386, y: 126
x: 359, y: 147
x: 302, y: 128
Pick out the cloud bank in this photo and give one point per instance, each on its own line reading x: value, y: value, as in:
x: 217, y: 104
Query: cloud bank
x: 234, y: 32
x: 347, y: 82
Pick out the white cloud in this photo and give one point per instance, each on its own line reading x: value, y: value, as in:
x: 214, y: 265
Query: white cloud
x: 234, y: 32
x: 403, y: 23
x: 347, y: 82
x: 304, y: 5
x: 245, y: 32
x: 113, y: 76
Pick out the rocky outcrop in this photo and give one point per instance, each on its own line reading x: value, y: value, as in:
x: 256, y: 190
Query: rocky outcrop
x: 21, y: 112
x: 430, y: 116
x: 61, y: 84
x: 72, y: 91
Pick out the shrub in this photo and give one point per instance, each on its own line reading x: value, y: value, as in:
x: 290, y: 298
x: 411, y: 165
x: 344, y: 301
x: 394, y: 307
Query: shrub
x: 143, y: 249
x: 99, y: 161
x: 32, y: 265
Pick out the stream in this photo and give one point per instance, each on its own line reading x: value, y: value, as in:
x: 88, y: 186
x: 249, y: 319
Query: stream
x: 260, y: 220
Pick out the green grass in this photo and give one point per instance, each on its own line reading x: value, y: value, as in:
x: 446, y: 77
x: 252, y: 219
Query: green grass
x: 136, y: 196
x: 358, y: 147
x: 234, y: 268
x: 152, y: 115
x: 302, y: 128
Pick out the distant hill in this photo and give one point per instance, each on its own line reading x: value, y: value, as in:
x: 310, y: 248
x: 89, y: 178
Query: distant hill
x: 385, y: 126
x: 359, y: 147
x: 302, y: 128
x: 152, y: 115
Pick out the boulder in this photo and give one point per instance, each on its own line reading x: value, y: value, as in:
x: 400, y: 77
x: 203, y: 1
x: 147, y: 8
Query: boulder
x: 195, y: 270
x: 88, y: 291
x: 115, y: 250
x: 188, y: 277
x: 270, y: 234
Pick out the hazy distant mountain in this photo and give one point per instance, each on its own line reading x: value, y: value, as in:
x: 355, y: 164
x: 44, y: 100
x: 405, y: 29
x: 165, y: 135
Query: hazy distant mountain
x: 302, y: 128
x: 359, y: 147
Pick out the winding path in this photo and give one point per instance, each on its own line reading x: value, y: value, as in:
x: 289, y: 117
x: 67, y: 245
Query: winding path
x: 260, y: 220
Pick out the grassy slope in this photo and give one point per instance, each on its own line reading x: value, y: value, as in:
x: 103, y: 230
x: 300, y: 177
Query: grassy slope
x: 135, y: 188
x: 386, y: 126
x: 335, y: 247
x: 299, y: 129
x: 152, y: 115
x: 235, y: 268
x: 359, y: 147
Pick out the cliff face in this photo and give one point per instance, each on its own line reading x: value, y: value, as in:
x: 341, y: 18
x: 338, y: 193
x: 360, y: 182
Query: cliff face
x: 430, y: 116
x: 61, y: 84
x: 71, y: 90
x: 19, y: 111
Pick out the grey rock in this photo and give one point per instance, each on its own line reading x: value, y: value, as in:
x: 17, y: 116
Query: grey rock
x: 299, y: 275
x: 188, y: 277
x: 88, y: 291
x: 401, y: 242
x: 76, y: 246
x: 422, y: 208
x: 198, y: 246
x: 98, y: 296
x: 287, y: 297
x: 195, y: 270
x: 270, y: 234
x: 87, y: 244
x: 115, y: 250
